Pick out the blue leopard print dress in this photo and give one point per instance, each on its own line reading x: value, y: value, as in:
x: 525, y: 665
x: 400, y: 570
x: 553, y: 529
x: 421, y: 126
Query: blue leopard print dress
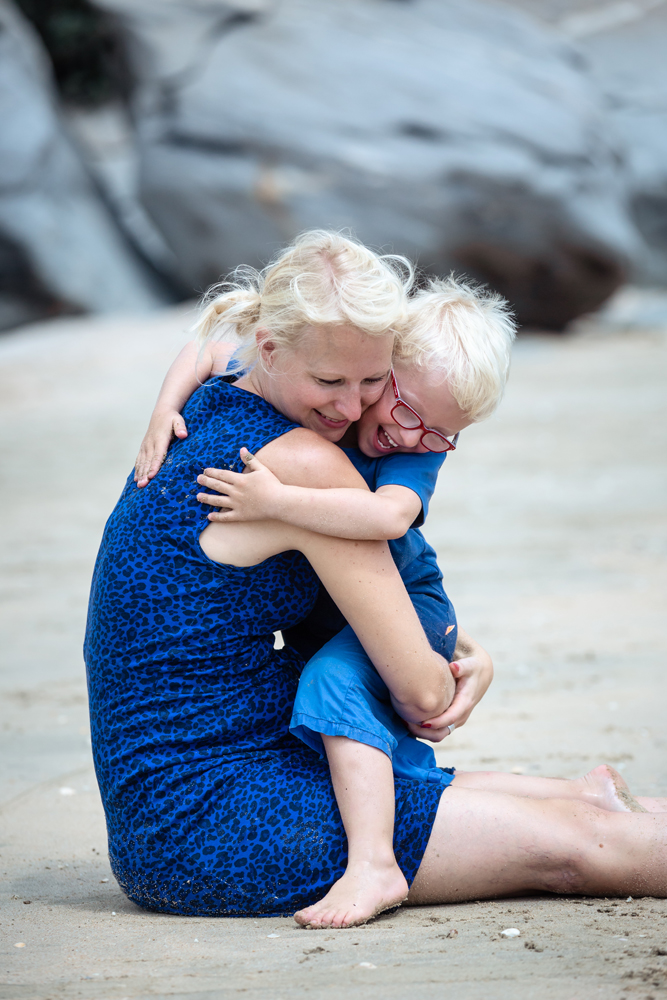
x: 212, y: 807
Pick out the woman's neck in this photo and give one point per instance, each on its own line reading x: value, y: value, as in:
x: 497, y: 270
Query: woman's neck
x: 248, y: 383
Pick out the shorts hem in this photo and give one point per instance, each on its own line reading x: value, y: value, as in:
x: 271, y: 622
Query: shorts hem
x: 309, y: 723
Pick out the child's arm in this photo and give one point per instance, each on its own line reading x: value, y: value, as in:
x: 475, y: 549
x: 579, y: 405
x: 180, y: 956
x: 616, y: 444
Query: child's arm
x: 192, y: 367
x: 344, y: 513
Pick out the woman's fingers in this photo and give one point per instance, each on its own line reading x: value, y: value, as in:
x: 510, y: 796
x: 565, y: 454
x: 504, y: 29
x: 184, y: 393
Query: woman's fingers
x: 456, y: 715
x: 432, y: 734
x: 464, y: 668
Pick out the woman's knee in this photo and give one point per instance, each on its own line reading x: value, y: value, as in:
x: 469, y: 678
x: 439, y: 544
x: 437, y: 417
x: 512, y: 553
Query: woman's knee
x: 579, y: 833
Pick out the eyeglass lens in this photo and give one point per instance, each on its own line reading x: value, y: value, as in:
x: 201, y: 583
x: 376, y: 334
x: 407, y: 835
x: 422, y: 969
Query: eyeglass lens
x: 405, y: 417
x: 435, y: 443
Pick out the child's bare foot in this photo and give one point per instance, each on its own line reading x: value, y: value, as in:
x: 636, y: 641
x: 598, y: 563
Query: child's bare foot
x: 364, y: 891
x: 605, y: 788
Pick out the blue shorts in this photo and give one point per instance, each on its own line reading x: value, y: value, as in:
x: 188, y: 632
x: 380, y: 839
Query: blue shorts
x: 341, y: 694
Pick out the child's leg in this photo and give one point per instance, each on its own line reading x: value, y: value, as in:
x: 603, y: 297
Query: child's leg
x: 341, y: 694
x: 364, y: 785
x: 343, y: 709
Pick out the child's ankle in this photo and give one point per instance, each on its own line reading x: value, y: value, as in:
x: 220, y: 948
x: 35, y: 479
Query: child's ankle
x: 372, y: 856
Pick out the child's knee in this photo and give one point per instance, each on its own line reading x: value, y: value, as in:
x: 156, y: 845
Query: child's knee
x: 331, y: 672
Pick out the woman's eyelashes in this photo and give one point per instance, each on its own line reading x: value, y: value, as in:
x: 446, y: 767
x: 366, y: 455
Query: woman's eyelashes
x: 339, y: 381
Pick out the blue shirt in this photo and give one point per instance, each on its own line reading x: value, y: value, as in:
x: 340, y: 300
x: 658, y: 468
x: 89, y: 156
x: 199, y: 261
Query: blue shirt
x: 414, y: 557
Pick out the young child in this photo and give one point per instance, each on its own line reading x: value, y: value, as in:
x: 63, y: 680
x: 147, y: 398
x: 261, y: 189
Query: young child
x: 451, y: 372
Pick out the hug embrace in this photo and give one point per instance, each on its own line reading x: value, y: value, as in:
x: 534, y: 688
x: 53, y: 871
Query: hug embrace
x: 288, y: 465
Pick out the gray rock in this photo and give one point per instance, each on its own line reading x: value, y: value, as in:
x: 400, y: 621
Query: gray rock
x: 627, y: 57
x: 633, y: 308
x: 458, y: 131
x: 68, y: 242
x: 23, y: 296
x: 624, y: 45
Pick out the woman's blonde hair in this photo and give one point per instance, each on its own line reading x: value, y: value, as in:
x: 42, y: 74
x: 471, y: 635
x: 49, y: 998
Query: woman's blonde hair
x: 461, y: 334
x: 322, y: 279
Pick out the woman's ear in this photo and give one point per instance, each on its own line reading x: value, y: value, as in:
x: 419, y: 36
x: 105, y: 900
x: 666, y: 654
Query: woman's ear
x: 266, y: 348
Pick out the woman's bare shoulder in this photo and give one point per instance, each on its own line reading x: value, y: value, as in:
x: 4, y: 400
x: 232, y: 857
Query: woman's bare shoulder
x: 303, y: 458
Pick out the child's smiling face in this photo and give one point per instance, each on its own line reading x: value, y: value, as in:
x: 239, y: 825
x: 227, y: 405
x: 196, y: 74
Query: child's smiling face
x: 379, y: 434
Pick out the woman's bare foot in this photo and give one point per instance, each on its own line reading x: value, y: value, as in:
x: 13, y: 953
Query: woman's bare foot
x: 652, y: 805
x: 605, y: 788
x: 364, y: 891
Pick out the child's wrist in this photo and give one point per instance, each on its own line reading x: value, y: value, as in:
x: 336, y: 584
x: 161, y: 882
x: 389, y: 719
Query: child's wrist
x: 163, y: 410
x: 278, y: 503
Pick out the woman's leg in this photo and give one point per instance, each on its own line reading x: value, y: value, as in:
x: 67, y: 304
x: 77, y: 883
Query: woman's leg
x: 487, y: 844
x: 603, y: 787
x: 364, y: 785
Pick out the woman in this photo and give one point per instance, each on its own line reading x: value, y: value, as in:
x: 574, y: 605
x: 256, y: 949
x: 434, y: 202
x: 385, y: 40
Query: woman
x: 211, y: 808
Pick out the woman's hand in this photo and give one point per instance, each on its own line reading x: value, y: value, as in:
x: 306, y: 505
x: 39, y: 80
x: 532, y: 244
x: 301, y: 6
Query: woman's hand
x: 473, y: 673
x: 254, y: 496
x: 165, y: 425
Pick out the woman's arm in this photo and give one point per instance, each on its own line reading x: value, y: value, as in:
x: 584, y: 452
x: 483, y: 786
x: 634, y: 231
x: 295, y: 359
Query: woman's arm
x: 346, y: 513
x: 362, y: 579
x: 361, y: 576
x: 190, y: 369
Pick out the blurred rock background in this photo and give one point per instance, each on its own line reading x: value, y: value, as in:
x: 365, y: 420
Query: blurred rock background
x: 149, y: 146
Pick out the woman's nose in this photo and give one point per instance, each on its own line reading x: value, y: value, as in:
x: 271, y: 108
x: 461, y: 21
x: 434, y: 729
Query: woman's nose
x: 349, y: 405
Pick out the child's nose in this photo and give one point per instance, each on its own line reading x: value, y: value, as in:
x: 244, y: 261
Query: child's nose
x: 409, y: 438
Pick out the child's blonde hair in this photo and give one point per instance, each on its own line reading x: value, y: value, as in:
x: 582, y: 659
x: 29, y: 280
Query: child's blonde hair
x: 463, y: 335
x: 322, y: 279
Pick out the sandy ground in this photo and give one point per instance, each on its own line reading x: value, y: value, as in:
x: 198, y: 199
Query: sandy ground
x: 551, y: 530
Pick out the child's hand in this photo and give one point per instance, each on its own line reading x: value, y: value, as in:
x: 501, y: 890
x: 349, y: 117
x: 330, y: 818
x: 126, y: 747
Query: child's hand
x: 250, y: 496
x: 164, y: 426
x: 472, y: 674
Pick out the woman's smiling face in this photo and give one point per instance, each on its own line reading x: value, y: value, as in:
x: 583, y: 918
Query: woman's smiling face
x: 327, y: 381
x: 379, y: 434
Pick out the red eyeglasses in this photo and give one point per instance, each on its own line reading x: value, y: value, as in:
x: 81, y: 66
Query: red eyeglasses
x: 410, y: 420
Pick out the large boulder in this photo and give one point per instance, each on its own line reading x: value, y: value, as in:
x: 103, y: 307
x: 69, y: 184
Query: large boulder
x: 68, y: 251
x: 458, y: 131
x: 624, y: 45
x: 626, y: 52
